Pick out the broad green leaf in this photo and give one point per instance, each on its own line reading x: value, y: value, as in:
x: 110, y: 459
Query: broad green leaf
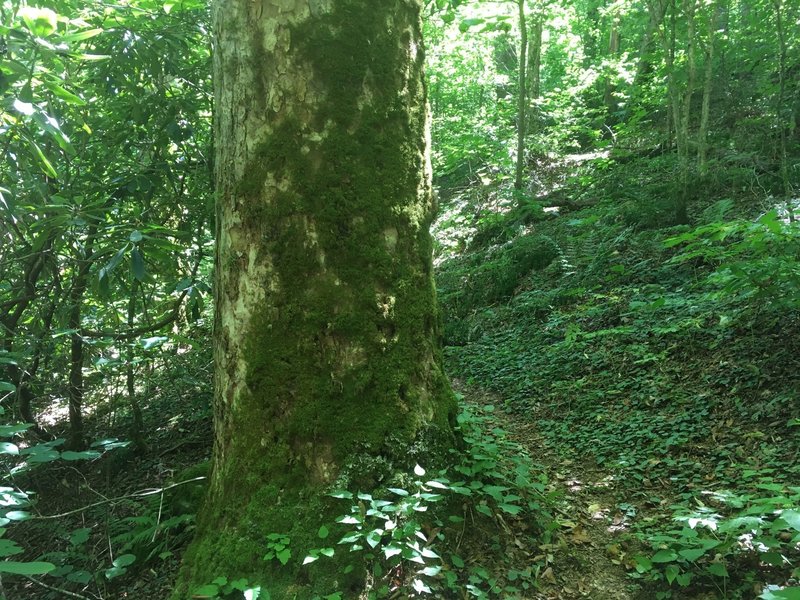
x: 390, y: 551
x: 9, y: 430
x: 137, y: 264
x: 8, y: 448
x: 124, y: 560
x: 26, y: 568
x: 350, y: 538
x: 47, y: 167
x: 9, y: 548
x: 511, y: 509
x: 439, y: 485
x: 6, y: 386
x: 206, y: 591
x: 82, y: 577
x: 691, y: 554
x: 253, y: 593
x: 64, y: 95
x: 43, y: 456
x: 112, y: 264
x: 717, y: 569
x: 642, y: 563
x: 788, y: 593
x: 90, y: 57
x: 671, y: 572
x: 85, y: 455
x: 153, y: 342
x: 323, y: 532
x: 792, y: 518
x: 40, y: 21
x: 348, y: 520
x: 17, y: 515
x: 664, y: 556
x: 465, y: 25
x: 80, y: 35
x: 79, y: 536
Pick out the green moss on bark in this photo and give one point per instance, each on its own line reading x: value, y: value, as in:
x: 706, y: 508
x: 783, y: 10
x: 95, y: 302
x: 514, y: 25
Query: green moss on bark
x: 343, y: 358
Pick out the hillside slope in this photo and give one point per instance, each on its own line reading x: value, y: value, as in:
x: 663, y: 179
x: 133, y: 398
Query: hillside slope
x: 660, y: 359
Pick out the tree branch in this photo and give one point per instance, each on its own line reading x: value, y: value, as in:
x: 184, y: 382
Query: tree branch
x: 139, y: 494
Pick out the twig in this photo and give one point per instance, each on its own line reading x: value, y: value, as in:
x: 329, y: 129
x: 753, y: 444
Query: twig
x: 59, y: 590
x: 139, y: 494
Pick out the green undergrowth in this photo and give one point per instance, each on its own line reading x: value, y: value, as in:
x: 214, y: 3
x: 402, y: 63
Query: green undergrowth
x: 666, y: 355
x: 470, y: 530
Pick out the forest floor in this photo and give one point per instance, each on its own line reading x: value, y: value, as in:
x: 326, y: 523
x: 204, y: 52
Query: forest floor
x: 585, y: 561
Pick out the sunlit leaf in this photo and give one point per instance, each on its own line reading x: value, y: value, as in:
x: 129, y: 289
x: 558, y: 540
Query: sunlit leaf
x: 40, y: 21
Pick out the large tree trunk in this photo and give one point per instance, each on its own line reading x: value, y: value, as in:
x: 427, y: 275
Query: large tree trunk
x: 327, y: 359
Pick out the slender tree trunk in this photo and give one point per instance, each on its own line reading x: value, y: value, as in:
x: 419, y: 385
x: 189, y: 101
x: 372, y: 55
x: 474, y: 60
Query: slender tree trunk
x: 76, y: 440
x: 27, y: 378
x: 327, y: 362
x: 681, y: 103
x: 522, y: 93
x: 534, y: 76
x: 590, y: 43
x: 673, y: 93
x: 781, y: 112
x: 610, y: 88
x: 25, y: 292
x: 708, y: 81
x: 656, y: 12
x: 137, y: 429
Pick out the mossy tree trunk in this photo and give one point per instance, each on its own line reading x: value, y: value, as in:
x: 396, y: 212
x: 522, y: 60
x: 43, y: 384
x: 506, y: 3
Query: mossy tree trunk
x: 327, y: 360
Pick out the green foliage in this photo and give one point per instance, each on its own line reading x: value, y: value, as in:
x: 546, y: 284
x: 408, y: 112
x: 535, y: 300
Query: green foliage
x: 660, y: 356
x: 405, y: 538
x: 708, y: 545
x: 751, y: 259
x: 221, y: 588
x: 489, y: 277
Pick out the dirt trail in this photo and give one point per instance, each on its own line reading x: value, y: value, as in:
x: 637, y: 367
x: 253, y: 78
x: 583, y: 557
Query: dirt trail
x: 584, y: 564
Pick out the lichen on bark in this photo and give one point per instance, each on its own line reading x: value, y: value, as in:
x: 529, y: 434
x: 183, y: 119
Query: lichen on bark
x: 328, y: 367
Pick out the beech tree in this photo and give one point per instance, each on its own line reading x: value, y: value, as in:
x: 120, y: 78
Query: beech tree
x: 327, y: 358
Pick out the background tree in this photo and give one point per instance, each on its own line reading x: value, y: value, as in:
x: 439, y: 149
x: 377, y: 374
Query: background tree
x: 328, y: 367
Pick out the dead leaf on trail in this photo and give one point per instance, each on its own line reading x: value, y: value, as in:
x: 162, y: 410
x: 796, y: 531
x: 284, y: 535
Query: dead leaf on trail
x: 579, y: 536
x: 547, y: 575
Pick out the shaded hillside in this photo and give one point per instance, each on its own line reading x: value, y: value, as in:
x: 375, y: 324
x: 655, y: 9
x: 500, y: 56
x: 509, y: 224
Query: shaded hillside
x: 665, y: 357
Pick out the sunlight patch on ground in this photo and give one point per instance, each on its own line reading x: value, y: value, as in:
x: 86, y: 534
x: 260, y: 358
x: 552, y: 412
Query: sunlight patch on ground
x: 582, y: 158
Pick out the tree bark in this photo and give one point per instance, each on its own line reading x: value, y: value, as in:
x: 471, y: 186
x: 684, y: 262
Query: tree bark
x: 782, y: 118
x: 708, y: 80
x: 522, y: 96
x: 328, y: 368
x: 610, y: 88
x: 656, y: 11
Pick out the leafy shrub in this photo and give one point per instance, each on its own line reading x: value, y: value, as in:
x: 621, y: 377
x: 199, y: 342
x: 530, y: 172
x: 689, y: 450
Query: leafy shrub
x: 486, y: 278
x: 712, y: 547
